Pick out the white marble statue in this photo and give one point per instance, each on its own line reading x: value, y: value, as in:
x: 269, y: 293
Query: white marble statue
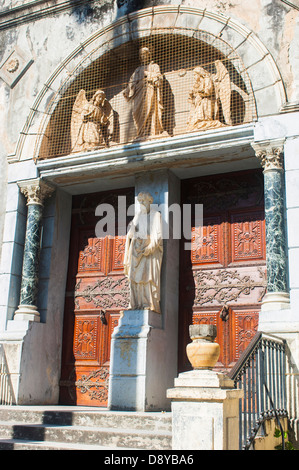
x: 143, y: 256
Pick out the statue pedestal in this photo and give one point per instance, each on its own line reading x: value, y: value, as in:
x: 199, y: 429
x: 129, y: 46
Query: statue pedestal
x: 135, y: 363
x: 205, y: 411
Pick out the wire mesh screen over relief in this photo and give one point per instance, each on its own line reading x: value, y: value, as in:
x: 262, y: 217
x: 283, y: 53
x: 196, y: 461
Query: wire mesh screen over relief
x: 158, y: 86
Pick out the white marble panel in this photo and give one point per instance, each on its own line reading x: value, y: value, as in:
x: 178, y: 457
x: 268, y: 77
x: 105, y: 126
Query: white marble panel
x: 276, y: 127
x: 291, y: 149
x: 293, y: 267
x: 14, y: 227
x: 292, y: 188
x: 293, y: 227
x: 11, y: 258
x: 21, y: 171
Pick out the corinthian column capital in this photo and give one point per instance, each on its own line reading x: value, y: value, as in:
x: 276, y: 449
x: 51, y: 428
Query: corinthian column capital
x: 270, y: 154
x: 35, y: 190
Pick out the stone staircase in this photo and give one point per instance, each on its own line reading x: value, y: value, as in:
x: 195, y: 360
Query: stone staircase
x: 82, y: 428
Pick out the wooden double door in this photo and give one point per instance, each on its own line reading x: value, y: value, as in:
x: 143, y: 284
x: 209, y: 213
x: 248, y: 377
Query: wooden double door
x: 222, y: 280
x: 223, y: 277
x: 97, y: 291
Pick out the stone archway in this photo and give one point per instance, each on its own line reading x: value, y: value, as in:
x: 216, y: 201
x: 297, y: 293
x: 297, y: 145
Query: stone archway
x: 259, y: 66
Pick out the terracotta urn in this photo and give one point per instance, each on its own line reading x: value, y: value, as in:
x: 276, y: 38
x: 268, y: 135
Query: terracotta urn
x: 203, y: 353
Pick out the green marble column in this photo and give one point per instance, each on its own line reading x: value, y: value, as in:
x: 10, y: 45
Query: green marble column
x: 35, y: 191
x: 270, y: 155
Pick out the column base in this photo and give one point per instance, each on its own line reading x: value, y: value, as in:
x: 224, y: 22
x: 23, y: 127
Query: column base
x: 27, y: 313
x: 276, y: 301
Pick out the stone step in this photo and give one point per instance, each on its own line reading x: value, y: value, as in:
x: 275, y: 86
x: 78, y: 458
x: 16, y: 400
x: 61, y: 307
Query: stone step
x: 87, y: 417
x: 17, y: 444
x: 93, y: 435
x: 73, y: 428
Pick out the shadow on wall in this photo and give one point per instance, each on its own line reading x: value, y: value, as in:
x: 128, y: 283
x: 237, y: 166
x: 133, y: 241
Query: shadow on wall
x: 86, y: 11
x: 128, y: 6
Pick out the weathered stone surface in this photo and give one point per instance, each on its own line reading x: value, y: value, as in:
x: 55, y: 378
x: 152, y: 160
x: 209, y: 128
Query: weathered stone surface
x: 82, y: 429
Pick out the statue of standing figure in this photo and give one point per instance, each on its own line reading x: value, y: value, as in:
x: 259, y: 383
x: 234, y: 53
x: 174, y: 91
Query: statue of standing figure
x: 143, y: 256
x: 145, y: 94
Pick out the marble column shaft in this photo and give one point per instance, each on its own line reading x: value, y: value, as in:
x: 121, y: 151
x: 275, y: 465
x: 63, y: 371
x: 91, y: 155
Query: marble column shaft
x: 35, y: 191
x: 275, y: 232
x: 29, y: 285
x: 270, y: 155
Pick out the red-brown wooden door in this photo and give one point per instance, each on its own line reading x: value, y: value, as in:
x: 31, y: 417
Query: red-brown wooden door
x: 96, y: 292
x: 223, y: 277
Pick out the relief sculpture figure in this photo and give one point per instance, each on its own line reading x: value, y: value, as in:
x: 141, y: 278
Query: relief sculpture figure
x: 90, y: 122
x: 145, y: 94
x: 210, y: 93
x: 143, y: 256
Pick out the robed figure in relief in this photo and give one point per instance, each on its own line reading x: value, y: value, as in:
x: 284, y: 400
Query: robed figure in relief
x: 210, y: 94
x: 144, y: 92
x: 143, y: 256
x: 90, y: 122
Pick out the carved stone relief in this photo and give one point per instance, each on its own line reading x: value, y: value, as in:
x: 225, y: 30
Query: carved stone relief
x: 161, y: 85
x: 91, y: 122
x: 209, y: 92
x: 144, y: 92
x: 15, y: 66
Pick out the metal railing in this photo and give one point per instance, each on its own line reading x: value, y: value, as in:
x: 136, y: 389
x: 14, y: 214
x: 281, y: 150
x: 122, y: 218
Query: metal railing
x: 261, y: 373
x: 6, y: 390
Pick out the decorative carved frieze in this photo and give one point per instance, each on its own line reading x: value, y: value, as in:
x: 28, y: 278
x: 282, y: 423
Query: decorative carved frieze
x: 226, y: 285
x: 94, y: 384
x: 108, y: 292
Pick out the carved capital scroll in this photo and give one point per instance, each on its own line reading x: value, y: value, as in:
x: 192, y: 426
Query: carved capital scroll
x: 35, y: 190
x: 270, y: 154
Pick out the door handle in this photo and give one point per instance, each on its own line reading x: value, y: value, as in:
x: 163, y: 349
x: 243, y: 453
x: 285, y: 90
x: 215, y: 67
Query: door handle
x: 224, y: 313
x: 103, y: 317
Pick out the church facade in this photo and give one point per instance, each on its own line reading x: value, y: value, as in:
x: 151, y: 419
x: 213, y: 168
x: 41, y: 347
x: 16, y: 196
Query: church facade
x: 194, y: 103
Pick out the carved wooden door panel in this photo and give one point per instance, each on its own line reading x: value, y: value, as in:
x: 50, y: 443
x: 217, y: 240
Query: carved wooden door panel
x: 97, y: 291
x: 223, y: 277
